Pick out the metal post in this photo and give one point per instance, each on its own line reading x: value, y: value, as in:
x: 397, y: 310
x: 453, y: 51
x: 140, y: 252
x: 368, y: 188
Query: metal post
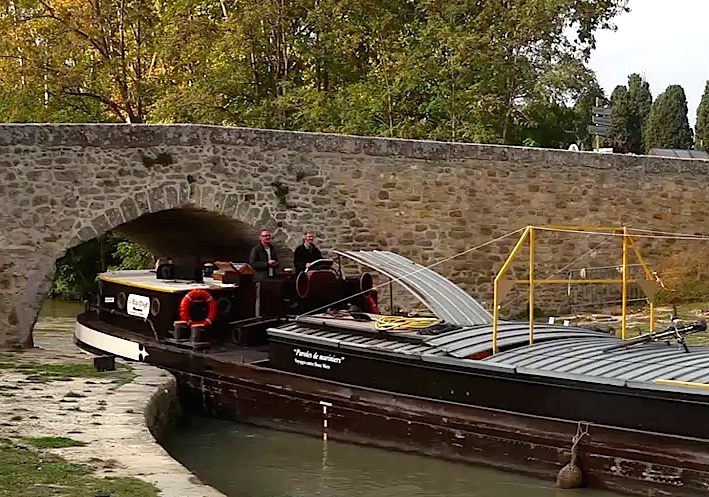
x: 531, y: 286
x: 597, y: 137
x: 391, y: 298
x: 649, y: 275
x: 625, y: 284
x: 495, y: 296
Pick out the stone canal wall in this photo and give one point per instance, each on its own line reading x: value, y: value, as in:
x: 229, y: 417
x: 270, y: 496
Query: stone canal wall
x: 61, y: 185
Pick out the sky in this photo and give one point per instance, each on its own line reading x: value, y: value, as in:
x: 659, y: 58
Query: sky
x: 666, y: 41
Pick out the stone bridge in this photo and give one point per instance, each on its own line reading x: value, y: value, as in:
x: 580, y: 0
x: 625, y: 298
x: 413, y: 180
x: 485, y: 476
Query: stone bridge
x: 208, y: 190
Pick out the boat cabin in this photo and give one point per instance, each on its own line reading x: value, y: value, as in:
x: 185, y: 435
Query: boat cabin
x: 220, y: 302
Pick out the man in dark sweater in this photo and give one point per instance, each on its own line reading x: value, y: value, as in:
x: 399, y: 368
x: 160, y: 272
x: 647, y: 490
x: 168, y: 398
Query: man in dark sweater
x: 263, y: 258
x: 306, y: 253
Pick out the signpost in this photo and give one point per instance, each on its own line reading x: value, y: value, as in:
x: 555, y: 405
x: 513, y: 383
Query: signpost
x: 601, y: 111
x: 599, y: 130
x: 601, y: 119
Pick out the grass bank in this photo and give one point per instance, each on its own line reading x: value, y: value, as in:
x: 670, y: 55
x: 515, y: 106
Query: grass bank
x: 28, y: 469
x: 33, y: 466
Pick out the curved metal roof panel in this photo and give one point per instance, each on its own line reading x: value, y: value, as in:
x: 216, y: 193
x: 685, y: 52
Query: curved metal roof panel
x: 444, y: 298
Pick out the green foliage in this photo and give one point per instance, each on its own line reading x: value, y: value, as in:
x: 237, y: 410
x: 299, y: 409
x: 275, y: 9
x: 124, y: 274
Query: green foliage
x: 639, y: 105
x: 76, y: 272
x: 132, y: 256
x: 620, y: 120
x: 631, y: 108
x: 702, y: 125
x: 82, y: 59
x: 463, y: 70
x: 668, y: 126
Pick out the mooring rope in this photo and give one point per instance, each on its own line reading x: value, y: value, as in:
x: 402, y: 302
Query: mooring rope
x: 401, y: 323
x: 581, y: 431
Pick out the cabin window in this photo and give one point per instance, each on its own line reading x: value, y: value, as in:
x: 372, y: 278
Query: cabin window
x: 155, y: 307
x: 121, y: 301
x: 223, y: 306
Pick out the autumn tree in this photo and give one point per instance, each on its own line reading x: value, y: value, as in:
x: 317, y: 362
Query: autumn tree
x: 85, y: 53
x: 462, y: 70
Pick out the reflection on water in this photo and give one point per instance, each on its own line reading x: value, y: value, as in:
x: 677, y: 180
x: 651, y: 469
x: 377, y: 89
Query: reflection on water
x: 60, y: 309
x: 244, y: 461
x: 56, y: 316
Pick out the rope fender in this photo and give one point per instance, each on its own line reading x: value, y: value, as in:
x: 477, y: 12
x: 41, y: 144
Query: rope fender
x: 571, y: 476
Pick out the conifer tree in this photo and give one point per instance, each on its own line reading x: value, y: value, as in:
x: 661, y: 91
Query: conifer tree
x: 702, y: 127
x: 639, y: 104
x: 667, y: 124
x: 619, y: 132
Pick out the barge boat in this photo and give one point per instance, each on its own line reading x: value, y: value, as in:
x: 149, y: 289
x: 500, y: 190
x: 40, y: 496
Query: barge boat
x: 628, y: 416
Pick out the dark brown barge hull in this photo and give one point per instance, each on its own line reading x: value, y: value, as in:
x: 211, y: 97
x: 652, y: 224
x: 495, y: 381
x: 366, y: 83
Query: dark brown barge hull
x: 617, y: 459
x: 620, y: 460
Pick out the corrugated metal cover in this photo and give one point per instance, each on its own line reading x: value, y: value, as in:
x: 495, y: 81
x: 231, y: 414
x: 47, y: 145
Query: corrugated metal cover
x: 564, y: 352
x: 445, y: 299
x: 645, y: 363
x: 301, y: 333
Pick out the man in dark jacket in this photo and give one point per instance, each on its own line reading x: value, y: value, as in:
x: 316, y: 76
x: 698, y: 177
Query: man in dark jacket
x: 306, y: 253
x: 263, y: 258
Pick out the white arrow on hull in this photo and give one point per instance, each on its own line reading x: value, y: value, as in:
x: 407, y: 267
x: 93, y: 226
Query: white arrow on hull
x: 113, y: 345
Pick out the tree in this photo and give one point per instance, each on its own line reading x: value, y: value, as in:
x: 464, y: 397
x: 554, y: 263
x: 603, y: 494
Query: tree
x: 459, y: 70
x: 667, y: 125
x: 639, y: 104
x: 620, y: 129
x: 85, y: 53
x: 463, y: 70
x: 702, y: 126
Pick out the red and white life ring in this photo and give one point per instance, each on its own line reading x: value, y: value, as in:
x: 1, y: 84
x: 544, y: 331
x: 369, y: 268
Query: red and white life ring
x: 194, y: 296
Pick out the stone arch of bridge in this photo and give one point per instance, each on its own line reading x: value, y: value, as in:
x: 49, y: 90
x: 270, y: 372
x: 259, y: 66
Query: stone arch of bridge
x: 210, y: 225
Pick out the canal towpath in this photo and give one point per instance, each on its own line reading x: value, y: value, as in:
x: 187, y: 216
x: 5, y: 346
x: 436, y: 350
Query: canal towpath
x: 53, y: 392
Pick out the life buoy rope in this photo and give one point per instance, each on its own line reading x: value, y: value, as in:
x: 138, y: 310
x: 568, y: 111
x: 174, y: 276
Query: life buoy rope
x: 194, y: 296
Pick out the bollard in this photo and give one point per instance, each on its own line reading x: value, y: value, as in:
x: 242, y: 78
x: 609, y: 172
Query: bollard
x: 105, y: 363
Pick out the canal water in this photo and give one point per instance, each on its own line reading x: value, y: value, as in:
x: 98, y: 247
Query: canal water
x: 245, y: 461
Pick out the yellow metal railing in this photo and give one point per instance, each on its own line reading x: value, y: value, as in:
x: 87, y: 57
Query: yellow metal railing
x: 501, y: 286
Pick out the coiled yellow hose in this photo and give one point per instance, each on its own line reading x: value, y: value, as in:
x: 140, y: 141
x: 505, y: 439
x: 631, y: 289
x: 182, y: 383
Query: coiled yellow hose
x: 401, y: 323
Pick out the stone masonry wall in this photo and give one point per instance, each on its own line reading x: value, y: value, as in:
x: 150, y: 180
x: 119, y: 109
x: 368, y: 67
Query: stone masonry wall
x: 61, y: 185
